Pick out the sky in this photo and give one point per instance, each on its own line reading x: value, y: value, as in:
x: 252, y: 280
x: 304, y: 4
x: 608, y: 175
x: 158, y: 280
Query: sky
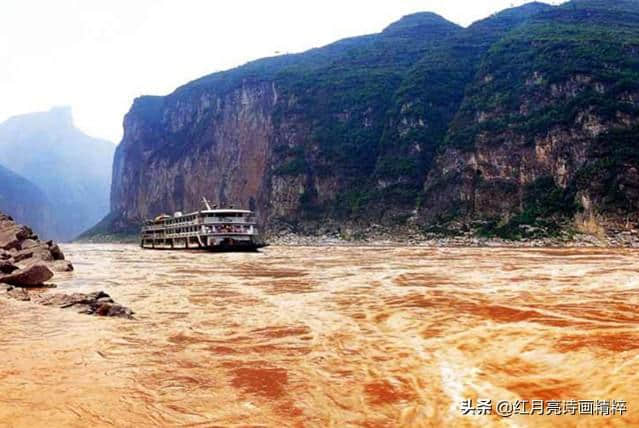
x: 97, y: 56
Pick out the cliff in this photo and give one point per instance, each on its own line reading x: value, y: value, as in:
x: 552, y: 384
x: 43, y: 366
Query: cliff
x: 520, y: 122
x: 72, y: 170
x: 546, y: 134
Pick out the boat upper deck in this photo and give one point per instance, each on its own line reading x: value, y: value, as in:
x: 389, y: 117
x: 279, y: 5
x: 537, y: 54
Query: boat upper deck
x: 206, y: 217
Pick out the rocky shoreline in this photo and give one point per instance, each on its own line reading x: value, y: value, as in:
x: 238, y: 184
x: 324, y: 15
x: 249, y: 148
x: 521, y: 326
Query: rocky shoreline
x: 624, y: 239
x: 27, y: 264
x: 621, y: 239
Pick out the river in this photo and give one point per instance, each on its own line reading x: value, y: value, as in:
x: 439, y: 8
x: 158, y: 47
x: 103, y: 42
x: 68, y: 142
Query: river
x: 326, y: 336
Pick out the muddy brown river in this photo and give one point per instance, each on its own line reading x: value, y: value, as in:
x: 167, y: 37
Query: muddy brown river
x: 327, y: 337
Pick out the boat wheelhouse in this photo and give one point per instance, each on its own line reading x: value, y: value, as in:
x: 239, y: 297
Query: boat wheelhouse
x: 211, y: 229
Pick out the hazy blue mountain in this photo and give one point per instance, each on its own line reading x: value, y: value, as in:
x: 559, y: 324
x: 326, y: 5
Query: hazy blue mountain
x: 25, y: 202
x: 72, y: 169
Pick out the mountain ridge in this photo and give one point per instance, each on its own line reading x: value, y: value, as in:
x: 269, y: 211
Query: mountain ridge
x: 24, y: 201
x: 72, y: 169
x: 361, y: 131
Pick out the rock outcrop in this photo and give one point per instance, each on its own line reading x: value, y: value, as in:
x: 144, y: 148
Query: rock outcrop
x: 26, y: 261
x: 98, y: 303
x: 26, y: 264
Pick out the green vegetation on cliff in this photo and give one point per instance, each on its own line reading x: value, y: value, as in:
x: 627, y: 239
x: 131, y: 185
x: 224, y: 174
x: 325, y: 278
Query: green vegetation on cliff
x: 558, y: 97
x: 520, y: 121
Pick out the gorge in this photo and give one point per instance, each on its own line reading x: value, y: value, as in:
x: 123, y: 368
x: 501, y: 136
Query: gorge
x: 521, y: 125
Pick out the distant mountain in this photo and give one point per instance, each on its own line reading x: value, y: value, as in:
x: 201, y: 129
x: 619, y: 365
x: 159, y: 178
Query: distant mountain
x: 72, y: 169
x: 25, y: 202
x: 524, y: 123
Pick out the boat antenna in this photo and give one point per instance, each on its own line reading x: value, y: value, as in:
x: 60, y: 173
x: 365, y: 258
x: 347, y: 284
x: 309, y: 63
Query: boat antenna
x: 206, y: 203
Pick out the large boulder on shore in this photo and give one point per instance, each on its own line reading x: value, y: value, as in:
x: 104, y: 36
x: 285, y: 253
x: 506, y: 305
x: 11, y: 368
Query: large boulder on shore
x: 32, y: 276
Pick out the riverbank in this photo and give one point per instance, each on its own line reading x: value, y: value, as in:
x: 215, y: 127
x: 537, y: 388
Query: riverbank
x: 625, y: 239
x: 621, y: 240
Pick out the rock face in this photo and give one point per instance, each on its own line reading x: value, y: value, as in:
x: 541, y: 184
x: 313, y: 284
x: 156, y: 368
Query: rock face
x: 518, y: 125
x: 26, y: 261
x: 71, y: 171
x: 548, y: 129
x: 284, y: 140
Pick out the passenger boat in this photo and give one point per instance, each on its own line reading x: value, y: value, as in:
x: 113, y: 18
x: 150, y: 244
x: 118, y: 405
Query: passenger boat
x: 211, y: 229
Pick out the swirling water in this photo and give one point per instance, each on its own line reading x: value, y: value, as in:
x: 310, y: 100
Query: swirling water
x: 326, y: 336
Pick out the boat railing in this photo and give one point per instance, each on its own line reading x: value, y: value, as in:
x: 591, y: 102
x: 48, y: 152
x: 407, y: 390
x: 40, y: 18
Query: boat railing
x: 195, y: 234
x: 229, y: 220
x: 206, y: 222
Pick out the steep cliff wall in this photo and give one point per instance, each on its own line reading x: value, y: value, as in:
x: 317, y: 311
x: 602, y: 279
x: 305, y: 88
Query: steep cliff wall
x: 519, y: 123
x: 292, y: 137
x: 547, y: 129
x: 214, y: 144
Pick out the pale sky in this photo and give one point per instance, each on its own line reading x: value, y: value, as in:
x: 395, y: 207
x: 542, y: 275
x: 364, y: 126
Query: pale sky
x: 97, y: 56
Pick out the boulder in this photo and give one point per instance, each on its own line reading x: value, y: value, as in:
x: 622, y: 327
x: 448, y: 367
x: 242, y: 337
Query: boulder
x: 62, y: 266
x: 31, y: 276
x: 55, y: 251
x: 28, y: 243
x: 113, y: 310
x: 11, y: 234
x: 98, y: 303
x: 8, y: 239
x: 22, y: 255
x: 6, y: 267
x: 68, y: 300
x: 19, y: 244
x: 39, y: 252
